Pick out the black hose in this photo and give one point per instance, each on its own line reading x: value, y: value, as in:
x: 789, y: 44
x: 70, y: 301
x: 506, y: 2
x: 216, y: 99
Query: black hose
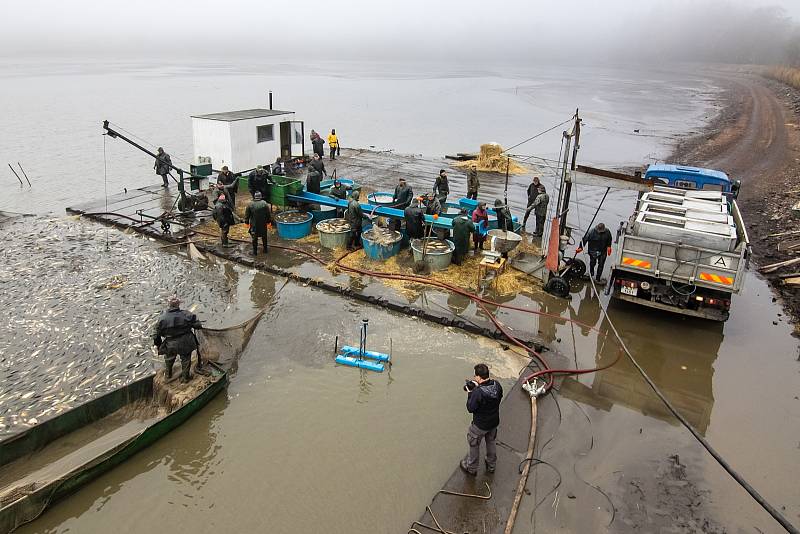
x: 706, y: 445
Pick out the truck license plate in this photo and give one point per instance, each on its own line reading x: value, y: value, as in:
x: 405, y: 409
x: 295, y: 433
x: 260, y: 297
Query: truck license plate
x: 632, y: 291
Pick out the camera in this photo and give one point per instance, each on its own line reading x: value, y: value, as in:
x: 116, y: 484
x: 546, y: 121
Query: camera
x: 469, y: 385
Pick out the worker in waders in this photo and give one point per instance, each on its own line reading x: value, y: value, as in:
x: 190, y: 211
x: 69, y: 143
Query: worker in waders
x: 533, y: 192
x: 599, y: 241
x: 472, y: 182
x: 540, y: 210
x: 403, y: 195
x: 333, y: 143
x: 415, y: 220
x: 483, y: 402
x: 318, y: 165
x: 504, y: 221
x: 257, y: 216
x: 353, y: 214
x: 339, y: 192
x: 432, y: 205
x: 174, y: 336
x: 257, y: 182
x: 480, y: 218
x: 463, y: 228
x: 317, y: 142
x: 230, y: 183
x: 441, y: 187
x: 223, y: 214
x: 162, y: 165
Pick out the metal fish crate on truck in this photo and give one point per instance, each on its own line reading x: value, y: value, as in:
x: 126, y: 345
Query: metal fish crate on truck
x: 683, y: 251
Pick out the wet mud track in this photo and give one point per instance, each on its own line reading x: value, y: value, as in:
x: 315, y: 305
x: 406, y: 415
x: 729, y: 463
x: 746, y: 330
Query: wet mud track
x: 756, y: 139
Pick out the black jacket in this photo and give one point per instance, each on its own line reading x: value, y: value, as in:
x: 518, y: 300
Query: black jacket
x: 483, y: 403
x: 174, y: 329
x: 257, y: 216
x: 441, y: 186
x: 533, y: 192
x: 402, y: 196
x: 319, y: 165
x: 162, y: 164
x: 223, y: 214
x: 257, y: 181
x: 415, y: 222
x: 353, y: 213
x: 597, y: 241
x: 340, y: 192
x: 504, y: 221
x: 313, y: 181
x: 317, y: 143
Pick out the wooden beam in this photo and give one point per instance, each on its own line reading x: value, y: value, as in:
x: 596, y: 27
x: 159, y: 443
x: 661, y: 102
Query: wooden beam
x: 775, y: 266
x: 604, y: 178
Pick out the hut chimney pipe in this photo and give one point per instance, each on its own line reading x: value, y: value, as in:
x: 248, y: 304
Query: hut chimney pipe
x: 270, y: 100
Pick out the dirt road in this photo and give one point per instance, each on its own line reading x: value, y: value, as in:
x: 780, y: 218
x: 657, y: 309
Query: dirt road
x: 756, y: 139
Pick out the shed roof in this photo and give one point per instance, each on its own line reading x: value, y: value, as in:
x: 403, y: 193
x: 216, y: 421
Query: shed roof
x: 242, y: 114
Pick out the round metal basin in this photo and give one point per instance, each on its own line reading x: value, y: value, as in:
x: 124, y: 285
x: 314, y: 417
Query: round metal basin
x: 503, y: 241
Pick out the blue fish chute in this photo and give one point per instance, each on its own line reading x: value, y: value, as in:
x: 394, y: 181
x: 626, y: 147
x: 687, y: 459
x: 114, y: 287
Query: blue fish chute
x: 361, y: 357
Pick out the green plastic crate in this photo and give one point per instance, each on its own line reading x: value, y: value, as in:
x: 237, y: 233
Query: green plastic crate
x: 281, y: 187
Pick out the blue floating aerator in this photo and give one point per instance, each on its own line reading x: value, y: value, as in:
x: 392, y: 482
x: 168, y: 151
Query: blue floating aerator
x: 353, y: 351
x: 352, y: 361
x: 361, y: 357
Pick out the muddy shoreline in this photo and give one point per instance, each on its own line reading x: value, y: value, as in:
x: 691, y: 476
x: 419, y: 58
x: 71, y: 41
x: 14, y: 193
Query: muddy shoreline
x: 755, y: 138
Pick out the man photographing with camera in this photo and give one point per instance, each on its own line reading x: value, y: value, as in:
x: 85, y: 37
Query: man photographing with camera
x: 483, y: 402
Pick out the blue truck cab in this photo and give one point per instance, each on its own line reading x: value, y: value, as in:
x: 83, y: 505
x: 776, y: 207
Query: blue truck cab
x: 693, y: 178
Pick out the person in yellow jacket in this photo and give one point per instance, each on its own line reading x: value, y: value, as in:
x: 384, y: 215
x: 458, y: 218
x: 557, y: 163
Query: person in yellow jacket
x: 333, y: 143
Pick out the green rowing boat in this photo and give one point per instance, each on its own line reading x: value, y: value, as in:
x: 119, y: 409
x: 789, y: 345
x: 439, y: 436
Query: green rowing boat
x: 53, y: 459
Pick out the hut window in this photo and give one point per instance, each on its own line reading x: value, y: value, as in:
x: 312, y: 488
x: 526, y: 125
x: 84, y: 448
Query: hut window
x: 265, y: 133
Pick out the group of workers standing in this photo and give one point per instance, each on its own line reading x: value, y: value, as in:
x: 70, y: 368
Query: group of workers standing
x: 258, y: 215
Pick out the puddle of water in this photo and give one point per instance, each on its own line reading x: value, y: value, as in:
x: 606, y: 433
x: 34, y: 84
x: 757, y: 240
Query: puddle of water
x: 299, y: 443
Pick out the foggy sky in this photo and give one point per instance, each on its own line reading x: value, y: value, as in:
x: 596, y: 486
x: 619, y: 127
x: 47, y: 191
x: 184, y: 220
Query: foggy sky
x: 345, y: 29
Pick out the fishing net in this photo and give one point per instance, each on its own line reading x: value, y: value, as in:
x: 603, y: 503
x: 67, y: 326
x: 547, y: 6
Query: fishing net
x: 491, y: 159
x: 224, y: 345
x: 219, y: 345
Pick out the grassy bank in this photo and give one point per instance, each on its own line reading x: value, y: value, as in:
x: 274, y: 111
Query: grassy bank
x: 787, y: 75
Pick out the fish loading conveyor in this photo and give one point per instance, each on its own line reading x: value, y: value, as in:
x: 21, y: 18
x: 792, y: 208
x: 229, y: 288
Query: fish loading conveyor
x: 369, y: 209
x: 393, y: 213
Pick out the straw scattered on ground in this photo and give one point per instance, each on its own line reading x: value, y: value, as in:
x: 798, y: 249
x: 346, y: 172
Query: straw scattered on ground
x: 464, y: 276
x: 491, y: 159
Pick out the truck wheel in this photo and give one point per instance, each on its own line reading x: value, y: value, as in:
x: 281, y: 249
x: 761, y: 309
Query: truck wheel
x: 577, y: 267
x: 557, y: 286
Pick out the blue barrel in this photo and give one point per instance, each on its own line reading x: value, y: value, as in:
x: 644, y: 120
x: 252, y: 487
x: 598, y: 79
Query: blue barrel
x: 294, y: 230
x: 375, y: 251
x: 381, y: 198
x: 323, y: 213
